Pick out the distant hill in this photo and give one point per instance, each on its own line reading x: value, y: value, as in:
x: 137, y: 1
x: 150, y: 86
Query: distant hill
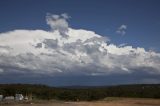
x: 73, y: 93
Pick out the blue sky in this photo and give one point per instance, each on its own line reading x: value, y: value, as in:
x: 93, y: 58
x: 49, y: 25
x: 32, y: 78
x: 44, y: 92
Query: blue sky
x: 37, y: 47
x: 142, y: 18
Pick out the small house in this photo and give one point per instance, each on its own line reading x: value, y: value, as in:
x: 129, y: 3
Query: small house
x: 1, y: 97
x: 9, y: 98
x: 26, y: 98
x: 19, y: 97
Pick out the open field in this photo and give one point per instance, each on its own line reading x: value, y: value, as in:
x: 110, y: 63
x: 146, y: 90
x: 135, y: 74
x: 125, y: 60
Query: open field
x: 106, y: 102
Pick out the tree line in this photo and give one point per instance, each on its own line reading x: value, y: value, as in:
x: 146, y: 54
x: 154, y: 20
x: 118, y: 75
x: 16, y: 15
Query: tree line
x: 81, y: 93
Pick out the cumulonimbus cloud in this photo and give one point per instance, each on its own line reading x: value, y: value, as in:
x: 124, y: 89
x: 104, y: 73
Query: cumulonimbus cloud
x: 83, y: 52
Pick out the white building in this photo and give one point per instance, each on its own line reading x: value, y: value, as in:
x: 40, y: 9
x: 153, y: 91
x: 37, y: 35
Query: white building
x: 1, y: 97
x: 9, y: 98
x: 19, y: 97
x: 26, y: 98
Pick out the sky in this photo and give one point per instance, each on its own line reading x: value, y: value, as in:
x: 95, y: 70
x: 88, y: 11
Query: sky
x: 80, y: 42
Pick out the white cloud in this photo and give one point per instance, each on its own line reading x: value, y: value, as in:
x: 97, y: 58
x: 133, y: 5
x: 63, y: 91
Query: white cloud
x: 1, y: 70
x: 83, y: 52
x: 58, y: 22
x: 122, y: 30
x: 65, y: 15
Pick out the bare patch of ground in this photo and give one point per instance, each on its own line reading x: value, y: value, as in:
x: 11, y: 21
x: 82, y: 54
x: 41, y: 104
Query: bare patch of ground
x: 105, y: 102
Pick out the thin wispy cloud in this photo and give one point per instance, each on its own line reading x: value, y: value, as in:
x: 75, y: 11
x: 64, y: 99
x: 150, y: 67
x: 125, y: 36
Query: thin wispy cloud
x: 122, y: 30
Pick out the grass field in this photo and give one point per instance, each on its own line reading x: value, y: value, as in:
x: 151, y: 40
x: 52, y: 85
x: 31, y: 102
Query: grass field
x: 105, y: 102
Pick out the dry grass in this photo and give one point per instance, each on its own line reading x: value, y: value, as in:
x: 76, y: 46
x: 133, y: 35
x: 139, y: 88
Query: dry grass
x: 105, y: 102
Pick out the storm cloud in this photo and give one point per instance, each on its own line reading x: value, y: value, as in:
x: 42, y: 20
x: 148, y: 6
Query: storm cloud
x: 40, y: 52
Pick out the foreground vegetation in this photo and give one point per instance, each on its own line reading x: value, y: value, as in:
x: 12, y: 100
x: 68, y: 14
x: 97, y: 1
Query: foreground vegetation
x: 82, y: 93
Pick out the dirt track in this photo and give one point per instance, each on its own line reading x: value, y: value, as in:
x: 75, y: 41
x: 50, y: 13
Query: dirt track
x: 111, y: 102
